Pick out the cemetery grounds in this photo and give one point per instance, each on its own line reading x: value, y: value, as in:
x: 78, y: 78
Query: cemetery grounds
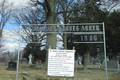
x: 37, y: 73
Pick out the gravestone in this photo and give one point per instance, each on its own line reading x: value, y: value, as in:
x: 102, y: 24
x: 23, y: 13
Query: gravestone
x: 97, y: 61
x: 11, y: 66
x: 25, y: 73
x: 24, y: 61
x: 117, y: 72
x: 36, y: 62
x: 79, y: 60
x: 113, y: 65
x: 30, y: 59
x: 76, y: 62
x: 40, y: 61
x: 91, y: 60
x: 107, y: 58
x: 7, y: 62
x: 103, y: 62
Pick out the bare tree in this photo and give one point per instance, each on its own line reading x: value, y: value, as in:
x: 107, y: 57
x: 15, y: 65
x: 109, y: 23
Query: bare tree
x: 30, y: 15
x: 108, y: 5
x: 6, y: 12
x: 9, y: 56
x: 52, y: 10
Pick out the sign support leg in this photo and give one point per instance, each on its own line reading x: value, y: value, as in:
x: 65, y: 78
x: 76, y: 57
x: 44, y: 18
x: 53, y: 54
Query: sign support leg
x: 72, y: 78
x: 18, y: 53
x: 105, y: 52
x: 48, y: 78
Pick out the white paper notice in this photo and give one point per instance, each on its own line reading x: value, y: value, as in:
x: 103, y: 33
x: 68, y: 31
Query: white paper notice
x: 61, y: 63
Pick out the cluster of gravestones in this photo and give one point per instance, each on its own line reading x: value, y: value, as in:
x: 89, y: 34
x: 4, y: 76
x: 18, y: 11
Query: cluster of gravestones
x: 93, y: 61
x: 112, y: 65
x: 13, y: 65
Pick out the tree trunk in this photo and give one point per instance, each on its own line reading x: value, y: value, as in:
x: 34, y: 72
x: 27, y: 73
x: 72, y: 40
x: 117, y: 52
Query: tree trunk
x: 65, y: 34
x: 88, y: 57
x: 51, y: 19
x: 65, y: 40
x: 85, y: 62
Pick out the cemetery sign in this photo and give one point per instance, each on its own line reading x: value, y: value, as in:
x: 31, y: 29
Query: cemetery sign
x: 61, y: 63
x: 64, y: 27
x: 86, y: 32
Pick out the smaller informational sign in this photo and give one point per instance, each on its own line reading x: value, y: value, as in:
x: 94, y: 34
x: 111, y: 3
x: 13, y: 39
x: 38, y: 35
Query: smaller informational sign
x: 61, y: 63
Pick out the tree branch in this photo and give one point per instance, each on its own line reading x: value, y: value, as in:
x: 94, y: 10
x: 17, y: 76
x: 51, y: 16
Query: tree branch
x: 42, y: 4
x: 113, y: 7
x: 55, y: 1
x: 75, y: 9
x: 37, y: 2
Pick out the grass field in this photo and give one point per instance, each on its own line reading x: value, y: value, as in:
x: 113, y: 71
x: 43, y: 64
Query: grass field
x: 36, y: 73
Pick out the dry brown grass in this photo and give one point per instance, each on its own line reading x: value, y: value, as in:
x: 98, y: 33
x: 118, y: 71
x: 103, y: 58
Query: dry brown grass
x: 92, y: 74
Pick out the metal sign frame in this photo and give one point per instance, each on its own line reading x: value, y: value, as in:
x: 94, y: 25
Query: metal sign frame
x: 103, y: 33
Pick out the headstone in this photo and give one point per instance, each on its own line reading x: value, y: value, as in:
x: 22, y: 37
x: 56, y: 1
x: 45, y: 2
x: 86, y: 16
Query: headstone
x: 26, y: 73
x: 7, y: 62
x: 11, y: 66
x: 24, y: 61
x: 36, y: 62
x: 91, y: 60
x: 97, y: 61
x: 30, y: 59
x: 33, y: 75
x: 103, y: 62
x: 33, y: 66
x: 40, y: 61
x: 83, y: 71
x: 79, y: 60
x: 107, y: 58
x: 113, y: 65
x: 116, y: 71
x: 76, y: 62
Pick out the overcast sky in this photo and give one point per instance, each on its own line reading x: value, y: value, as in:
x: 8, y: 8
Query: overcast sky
x: 19, y: 2
x: 10, y: 38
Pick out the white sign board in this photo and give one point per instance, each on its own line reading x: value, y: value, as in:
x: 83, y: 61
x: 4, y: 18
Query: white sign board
x: 61, y: 63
